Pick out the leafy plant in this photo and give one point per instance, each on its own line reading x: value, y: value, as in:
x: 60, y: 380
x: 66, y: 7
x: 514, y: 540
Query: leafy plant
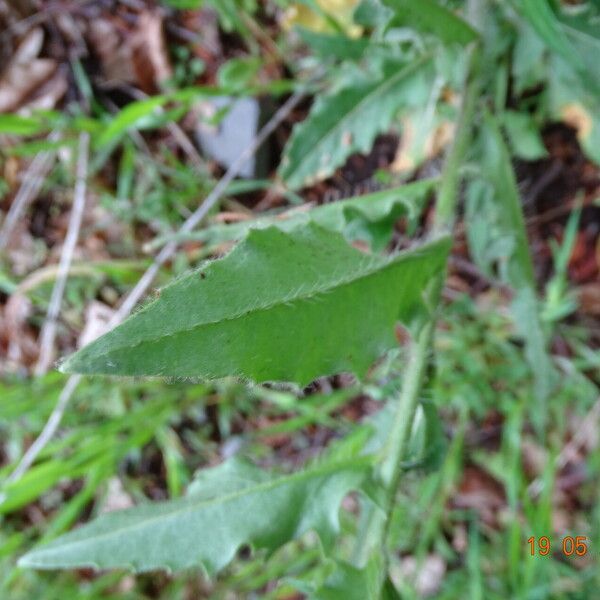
x: 182, y: 533
x: 348, y: 121
x: 198, y: 329
x: 295, y: 300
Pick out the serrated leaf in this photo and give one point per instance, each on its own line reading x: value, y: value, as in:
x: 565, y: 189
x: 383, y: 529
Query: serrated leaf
x: 429, y: 17
x: 281, y: 306
x: 351, y: 583
x: 503, y: 240
x: 368, y: 218
x: 505, y: 212
x: 348, y: 120
x: 208, y: 527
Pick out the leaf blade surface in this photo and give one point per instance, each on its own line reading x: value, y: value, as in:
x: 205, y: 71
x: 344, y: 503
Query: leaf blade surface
x: 232, y: 505
x: 348, y: 120
x: 281, y: 306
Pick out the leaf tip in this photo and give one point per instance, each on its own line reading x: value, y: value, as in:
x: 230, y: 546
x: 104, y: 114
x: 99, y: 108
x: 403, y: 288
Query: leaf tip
x: 25, y: 561
x: 63, y: 365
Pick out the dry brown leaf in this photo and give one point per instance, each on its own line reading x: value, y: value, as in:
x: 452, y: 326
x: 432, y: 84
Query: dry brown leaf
x: 481, y: 492
x: 139, y: 57
x: 589, y: 298
x: 22, y: 347
x: 231, y: 217
x: 23, y: 8
x: 426, y: 577
x: 22, y: 84
x: 24, y: 254
x: 150, y: 56
x: 49, y: 93
x: 115, y: 55
x: 11, y: 171
x: 414, y: 149
x: 116, y: 498
x: 578, y: 117
x: 300, y: 14
x: 535, y: 458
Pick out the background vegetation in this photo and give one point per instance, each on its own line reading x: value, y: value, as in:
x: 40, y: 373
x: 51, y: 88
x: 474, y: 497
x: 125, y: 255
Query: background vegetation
x: 103, y: 107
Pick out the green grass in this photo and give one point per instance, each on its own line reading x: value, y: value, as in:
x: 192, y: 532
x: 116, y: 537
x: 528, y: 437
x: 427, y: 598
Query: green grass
x: 112, y: 428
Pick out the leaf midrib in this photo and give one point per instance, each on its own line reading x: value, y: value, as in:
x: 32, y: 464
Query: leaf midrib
x: 374, y: 264
x: 354, y: 463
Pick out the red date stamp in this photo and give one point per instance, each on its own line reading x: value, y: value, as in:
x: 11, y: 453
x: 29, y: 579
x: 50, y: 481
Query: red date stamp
x: 570, y: 545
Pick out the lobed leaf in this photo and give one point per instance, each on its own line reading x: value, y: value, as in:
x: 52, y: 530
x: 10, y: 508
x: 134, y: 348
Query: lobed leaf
x: 348, y: 120
x: 352, y: 583
x: 210, y: 524
x: 369, y: 217
x: 281, y: 306
x: 502, y: 238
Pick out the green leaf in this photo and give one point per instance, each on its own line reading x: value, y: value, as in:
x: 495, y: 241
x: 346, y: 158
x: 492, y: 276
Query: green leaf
x: 17, y: 125
x: 238, y: 73
x: 369, y: 217
x: 500, y: 196
x: 209, y: 525
x: 352, y: 583
x: 528, y: 65
x: 281, y: 306
x: 524, y: 135
x: 134, y: 116
x: 334, y: 45
x: 583, y: 31
x: 502, y: 239
x: 427, y: 442
x: 348, y: 120
x: 372, y: 13
x: 429, y: 17
x: 540, y: 16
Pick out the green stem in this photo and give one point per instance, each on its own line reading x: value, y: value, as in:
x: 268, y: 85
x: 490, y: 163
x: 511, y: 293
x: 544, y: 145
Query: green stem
x: 445, y: 208
x: 375, y: 524
x: 399, y: 436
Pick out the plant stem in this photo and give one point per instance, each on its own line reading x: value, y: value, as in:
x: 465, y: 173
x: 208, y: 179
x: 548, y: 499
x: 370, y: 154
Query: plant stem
x: 376, y: 524
x: 395, y: 452
x: 445, y: 208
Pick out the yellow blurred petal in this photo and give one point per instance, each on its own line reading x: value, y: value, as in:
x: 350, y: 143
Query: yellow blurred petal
x: 576, y: 116
x: 340, y: 10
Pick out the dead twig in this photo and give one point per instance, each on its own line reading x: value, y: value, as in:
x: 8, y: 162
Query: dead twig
x: 144, y: 283
x: 33, y: 180
x: 48, y: 333
x: 46, y: 435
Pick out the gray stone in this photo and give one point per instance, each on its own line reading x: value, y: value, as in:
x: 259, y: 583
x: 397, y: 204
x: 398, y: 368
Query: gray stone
x: 225, y: 141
